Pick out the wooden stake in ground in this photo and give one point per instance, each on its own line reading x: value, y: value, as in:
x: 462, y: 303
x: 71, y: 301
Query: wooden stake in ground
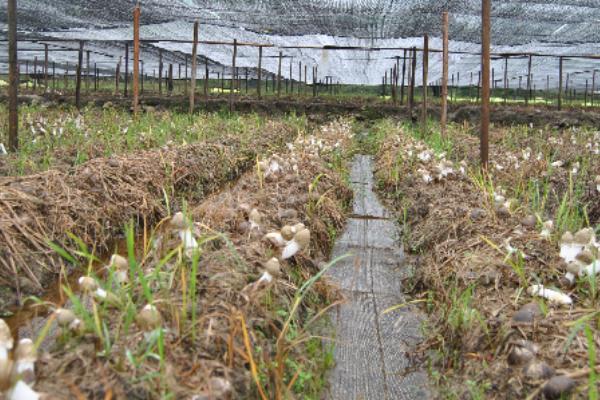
x: 117, y: 77
x: 231, y: 92
x: 560, y: 82
x: 13, y: 78
x: 279, y: 75
x: 160, y: 70
x: 194, y: 67
x: 258, y: 85
x: 78, y: 82
x: 505, y: 79
x: 529, y: 93
x: 425, y: 80
x: 593, y: 86
x: 485, y: 93
x: 206, y: 80
x: 444, y: 115
x: 403, y: 75
x: 136, y: 57
x: 411, y: 88
x: 126, y: 89
x: 46, y: 66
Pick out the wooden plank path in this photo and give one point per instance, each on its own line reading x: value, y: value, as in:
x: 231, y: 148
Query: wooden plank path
x: 372, y: 349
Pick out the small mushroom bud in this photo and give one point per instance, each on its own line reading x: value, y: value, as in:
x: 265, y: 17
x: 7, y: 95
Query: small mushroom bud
x: 528, y: 313
x: 178, y: 221
x: 25, y: 358
x: 273, y: 267
x: 64, y: 317
x: 255, y: 219
x: 522, y: 352
x: 119, y: 262
x: 558, y: 387
x: 584, y: 236
x: 6, y: 339
x: 529, y: 221
x: 538, y: 370
x: 88, y: 284
x: 149, y: 318
x: 77, y: 327
x: 585, y: 257
x: 287, y: 232
x: 303, y: 238
x: 298, y: 227
x: 567, y: 237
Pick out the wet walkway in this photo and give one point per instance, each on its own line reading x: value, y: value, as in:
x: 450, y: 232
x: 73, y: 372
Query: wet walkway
x: 372, y: 349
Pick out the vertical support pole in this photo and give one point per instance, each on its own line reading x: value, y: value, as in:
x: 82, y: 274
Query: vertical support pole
x: 384, y: 84
x: 425, y: 81
x: 529, y: 83
x: 305, y: 77
x: 53, y: 75
x: 485, y: 69
x: 560, y: 82
x: 231, y: 92
x: 397, y: 76
x: 279, y: 75
x: 136, y: 58
x: 87, y: 71
x: 46, y: 66
x: 299, y: 76
x: 259, y: 78
x: 444, y: 116
x: 170, y: 80
x: 593, y: 87
x: 411, y: 89
x: 78, y: 82
x: 95, y: 76
x: 246, y: 79
x: 403, y: 75
x: 35, y: 73
x: 505, y: 79
x: 186, y: 73
x: 13, y: 78
x: 291, y: 76
x: 315, y: 77
x: 160, y: 70
x: 194, y: 68
x: 126, y: 88
x: 547, y: 88
x: 206, y: 80
x: 585, y: 94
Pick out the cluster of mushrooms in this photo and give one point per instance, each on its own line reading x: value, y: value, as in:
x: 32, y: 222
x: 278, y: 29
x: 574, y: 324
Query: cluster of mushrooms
x: 17, y: 366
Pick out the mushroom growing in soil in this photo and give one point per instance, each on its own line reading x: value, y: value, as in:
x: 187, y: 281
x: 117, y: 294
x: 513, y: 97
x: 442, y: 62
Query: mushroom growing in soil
x: 24, y: 364
x: 300, y: 242
x: 149, y: 319
x: 6, y: 344
x: 538, y: 370
x: 522, y: 352
x: 553, y: 296
x: 22, y: 391
x: 182, y: 226
x: 558, y: 386
x: 547, y: 228
x: 121, y: 265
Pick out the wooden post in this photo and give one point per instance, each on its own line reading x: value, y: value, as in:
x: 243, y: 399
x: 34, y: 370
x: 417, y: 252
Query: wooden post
x: 231, y: 93
x: 305, y: 77
x: 46, y: 66
x: 403, y: 75
x: 560, y: 82
x: 397, y: 76
x: 315, y: 77
x: 117, y: 77
x: 143, y: 77
x: 444, y: 115
x: 529, y: 83
x: 160, y: 70
x: 136, y: 57
x: 585, y: 94
x: 126, y: 89
x: 170, y: 80
x: 35, y: 73
x: 87, y: 71
x: 78, y: 82
x: 485, y: 69
x: 425, y: 81
x: 95, y: 76
x: 206, y: 80
x: 279, y: 75
x: 13, y: 78
x: 194, y: 68
x: 186, y: 74
x: 593, y: 87
x: 383, y: 93
x: 259, y: 72
x: 291, y: 75
x: 505, y: 79
x: 299, y: 76
x: 411, y: 89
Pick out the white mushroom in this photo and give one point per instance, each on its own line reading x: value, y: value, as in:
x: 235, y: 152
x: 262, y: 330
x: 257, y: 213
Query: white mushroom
x: 24, y: 363
x: 553, y: 296
x: 300, y: 241
x: 22, y: 391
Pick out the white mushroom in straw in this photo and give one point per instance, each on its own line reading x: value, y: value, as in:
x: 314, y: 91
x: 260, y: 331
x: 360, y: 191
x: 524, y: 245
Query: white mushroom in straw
x: 6, y: 344
x: 300, y: 241
x: 64, y: 317
x: 275, y: 238
x: 553, y: 296
x: 22, y: 391
x: 547, y: 228
x: 24, y: 364
x: 149, y: 319
x: 182, y: 225
x: 121, y: 265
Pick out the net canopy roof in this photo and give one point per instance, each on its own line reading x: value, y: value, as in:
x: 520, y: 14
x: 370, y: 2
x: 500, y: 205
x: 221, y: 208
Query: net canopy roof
x: 518, y: 26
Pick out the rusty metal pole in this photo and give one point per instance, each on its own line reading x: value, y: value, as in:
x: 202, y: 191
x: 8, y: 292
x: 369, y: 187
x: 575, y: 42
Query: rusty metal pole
x: 485, y: 93
x: 425, y: 81
x: 279, y: 75
x: 444, y: 116
x: 78, y: 82
x: 403, y: 75
x: 231, y: 92
x: 560, y: 82
x: 136, y: 58
x: 13, y: 78
x: 194, y: 68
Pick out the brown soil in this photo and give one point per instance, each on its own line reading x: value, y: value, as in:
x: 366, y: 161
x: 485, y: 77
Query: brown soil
x: 462, y: 270
x: 94, y: 200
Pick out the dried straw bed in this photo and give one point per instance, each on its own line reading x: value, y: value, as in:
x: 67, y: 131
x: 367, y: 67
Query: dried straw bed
x: 94, y: 200
x: 236, y: 326
x: 451, y: 253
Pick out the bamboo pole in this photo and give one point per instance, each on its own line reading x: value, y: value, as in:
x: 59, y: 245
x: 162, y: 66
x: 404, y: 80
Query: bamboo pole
x: 194, y: 68
x: 444, y: 115
x: 485, y: 69
x: 425, y: 81
x: 13, y: 78
x: 136, y: 57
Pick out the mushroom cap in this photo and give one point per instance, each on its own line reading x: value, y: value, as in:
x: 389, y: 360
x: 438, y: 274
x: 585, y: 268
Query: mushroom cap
x: 25, y: 351
x: 64, y: 316
x: 119, y: 262
x: 178, y: 221
x: 567, y: 237
x: 549, y: 224
x: 149, y: 318
x: 520, y: 355
x: 273, y: 267
x: 585, y: 257
x: 298, y: 227
x: 287, y: 232
x: 538, y: 370
x: 584, y: 236
x: 528, y: 313
x: 558, y: 386
x: 88, y: 284
x: 303, y: 238
x: 529, y: 221
x: 6, y: 338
